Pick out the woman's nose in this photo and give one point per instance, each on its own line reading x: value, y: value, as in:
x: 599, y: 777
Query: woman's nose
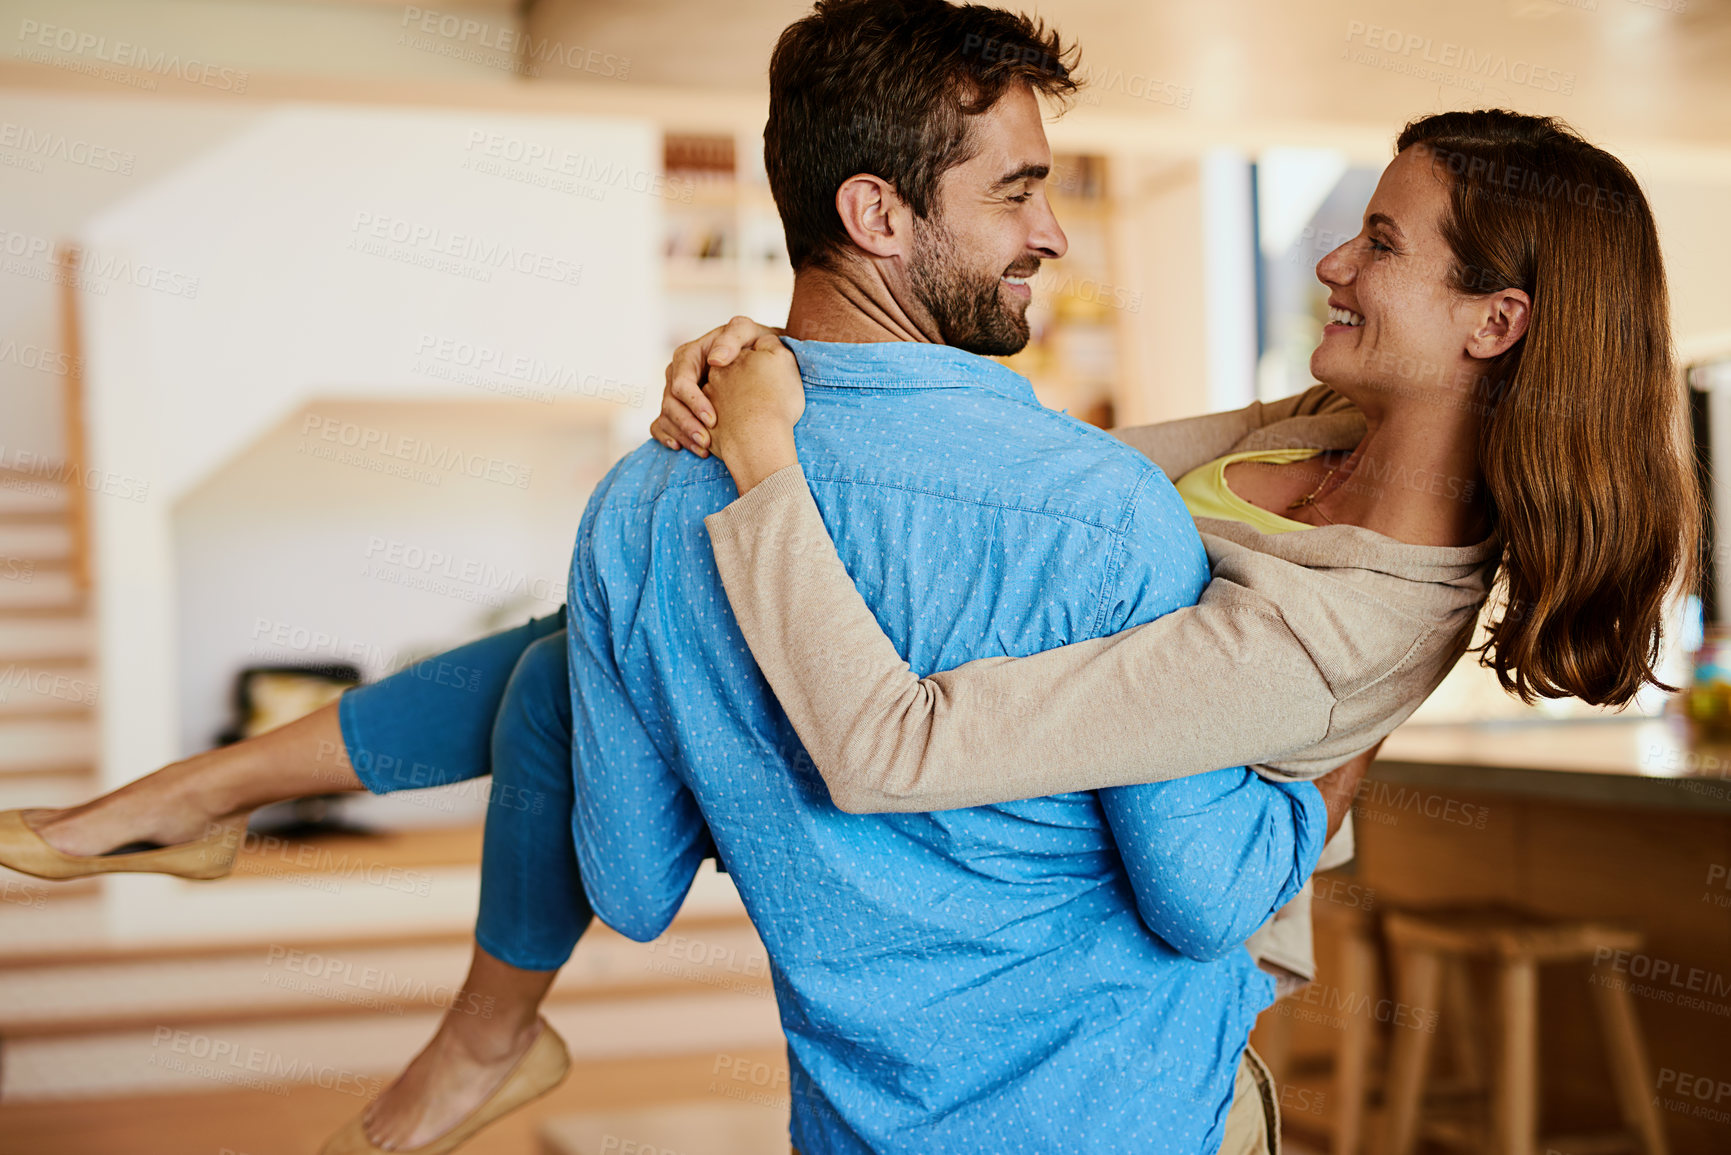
x: 1336, y: 268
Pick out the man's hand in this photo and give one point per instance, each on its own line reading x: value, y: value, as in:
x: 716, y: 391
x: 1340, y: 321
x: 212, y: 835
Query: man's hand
x: 686, y: 414
x: 1340, y: 786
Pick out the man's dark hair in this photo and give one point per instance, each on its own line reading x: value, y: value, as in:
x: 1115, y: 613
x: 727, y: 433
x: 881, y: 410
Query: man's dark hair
x: 886, y: 87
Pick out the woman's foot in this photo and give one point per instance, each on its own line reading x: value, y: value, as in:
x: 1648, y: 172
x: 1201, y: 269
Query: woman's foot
x: 171, y: 806
x: 179, y: 802
x: 466, y: 1061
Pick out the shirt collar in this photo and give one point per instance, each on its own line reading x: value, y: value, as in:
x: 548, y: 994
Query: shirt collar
x: 903, y: 365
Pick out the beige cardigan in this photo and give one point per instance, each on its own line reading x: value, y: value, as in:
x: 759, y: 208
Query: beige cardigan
x: 1305, y: 649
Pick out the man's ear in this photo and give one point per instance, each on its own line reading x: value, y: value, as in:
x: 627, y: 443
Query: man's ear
x: 1501, y: 320
x: 876, y: 218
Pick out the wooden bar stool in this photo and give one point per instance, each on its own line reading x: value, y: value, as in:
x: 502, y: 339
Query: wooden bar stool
x: 1432, y: 950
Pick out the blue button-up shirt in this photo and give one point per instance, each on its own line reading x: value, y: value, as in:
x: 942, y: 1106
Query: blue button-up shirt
x: 1060, y: 974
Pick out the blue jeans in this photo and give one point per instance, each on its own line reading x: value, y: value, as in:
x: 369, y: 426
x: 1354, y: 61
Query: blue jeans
x: 500, y: 705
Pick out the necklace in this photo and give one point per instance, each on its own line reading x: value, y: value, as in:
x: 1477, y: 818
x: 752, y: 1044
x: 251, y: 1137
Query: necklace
x: 1312, y: 497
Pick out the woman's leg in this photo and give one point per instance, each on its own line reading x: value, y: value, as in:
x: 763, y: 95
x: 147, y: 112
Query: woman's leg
x: 532, y: 912
x: 426, y: 725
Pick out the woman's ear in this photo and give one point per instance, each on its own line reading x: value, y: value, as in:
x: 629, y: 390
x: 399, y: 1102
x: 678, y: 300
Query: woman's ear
x: 875, y: 216
x: 1502, y: 320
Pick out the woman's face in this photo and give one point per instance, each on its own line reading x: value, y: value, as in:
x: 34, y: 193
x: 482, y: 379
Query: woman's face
x: 1396, y: 327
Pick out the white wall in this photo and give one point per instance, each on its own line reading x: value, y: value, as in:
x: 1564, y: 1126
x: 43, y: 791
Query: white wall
x: 273, y: 279
x: 287, y: 557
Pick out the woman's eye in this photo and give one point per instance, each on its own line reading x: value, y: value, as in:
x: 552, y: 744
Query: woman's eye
x: 1378, y: 247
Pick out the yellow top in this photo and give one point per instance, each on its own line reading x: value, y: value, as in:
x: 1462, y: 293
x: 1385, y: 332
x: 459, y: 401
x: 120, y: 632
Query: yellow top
x: 1206, y: 493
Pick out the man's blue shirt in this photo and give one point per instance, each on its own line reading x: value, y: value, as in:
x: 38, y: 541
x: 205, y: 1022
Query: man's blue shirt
x: 1059, y: 974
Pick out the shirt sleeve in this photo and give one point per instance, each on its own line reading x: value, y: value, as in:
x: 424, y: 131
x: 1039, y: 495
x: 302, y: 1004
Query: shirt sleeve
x: 1223, y: 683
x: 1212, y: 857
x: 640, y: 835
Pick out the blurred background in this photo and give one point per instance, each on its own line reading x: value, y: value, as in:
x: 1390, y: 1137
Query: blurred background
x: 320, y: 318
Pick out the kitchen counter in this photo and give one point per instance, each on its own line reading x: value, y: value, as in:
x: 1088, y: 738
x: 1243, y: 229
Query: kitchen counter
x: 1652, y: 763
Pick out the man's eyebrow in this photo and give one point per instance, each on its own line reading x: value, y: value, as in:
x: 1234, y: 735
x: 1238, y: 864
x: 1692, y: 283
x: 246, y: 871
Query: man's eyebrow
x: 1386, y: 222
x: 1026, y: 172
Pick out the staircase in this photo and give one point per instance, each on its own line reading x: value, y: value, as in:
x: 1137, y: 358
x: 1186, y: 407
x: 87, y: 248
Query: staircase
x: 48, y: 688
x: 88, y: 1019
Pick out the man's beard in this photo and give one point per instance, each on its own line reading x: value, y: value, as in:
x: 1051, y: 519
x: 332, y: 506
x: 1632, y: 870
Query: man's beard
x: 966, y: 304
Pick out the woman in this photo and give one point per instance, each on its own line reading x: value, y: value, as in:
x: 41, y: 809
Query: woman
x: 1517, y: 345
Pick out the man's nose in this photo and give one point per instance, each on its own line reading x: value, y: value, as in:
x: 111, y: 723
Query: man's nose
x: 1047, y: 238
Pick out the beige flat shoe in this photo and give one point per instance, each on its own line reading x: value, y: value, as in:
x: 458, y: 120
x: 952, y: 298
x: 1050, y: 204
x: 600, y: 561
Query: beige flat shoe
x: 543, y: 1066
x: 24, y: 850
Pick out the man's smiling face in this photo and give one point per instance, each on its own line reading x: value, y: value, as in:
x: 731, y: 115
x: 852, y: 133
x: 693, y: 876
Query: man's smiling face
x: 991, y: 228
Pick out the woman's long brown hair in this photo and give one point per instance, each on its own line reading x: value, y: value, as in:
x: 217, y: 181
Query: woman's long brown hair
x: 1588, y: 478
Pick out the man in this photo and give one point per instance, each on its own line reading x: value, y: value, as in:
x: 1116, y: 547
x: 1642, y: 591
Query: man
x: 1058, y: 974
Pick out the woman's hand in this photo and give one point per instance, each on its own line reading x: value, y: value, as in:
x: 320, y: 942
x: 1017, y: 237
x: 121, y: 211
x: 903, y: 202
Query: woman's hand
x: 686, y: 414
x: 757, y: 397
x: 1340, y: 786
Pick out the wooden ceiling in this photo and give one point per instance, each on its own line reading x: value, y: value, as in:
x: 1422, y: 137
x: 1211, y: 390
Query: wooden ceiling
x: 1619, y: 70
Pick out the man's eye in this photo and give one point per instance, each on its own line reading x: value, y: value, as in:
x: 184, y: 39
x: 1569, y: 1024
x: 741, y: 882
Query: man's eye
x: 1379, y: 247
x: 1021, y: 198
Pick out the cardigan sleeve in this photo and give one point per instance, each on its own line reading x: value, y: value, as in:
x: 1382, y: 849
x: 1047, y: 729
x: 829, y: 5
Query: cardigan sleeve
x: 1226, y: 682
x: 1177, y: 447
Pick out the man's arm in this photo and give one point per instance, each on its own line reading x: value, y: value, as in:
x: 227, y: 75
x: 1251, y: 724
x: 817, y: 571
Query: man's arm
x: 1211, y: 857
x: 640, y: 834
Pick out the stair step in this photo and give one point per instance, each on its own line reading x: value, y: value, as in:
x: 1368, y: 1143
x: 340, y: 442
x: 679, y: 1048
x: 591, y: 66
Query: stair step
x: 30, y: 745
x: 29, y: 687
x: 47, y: 478
x: 265, y: 981
x: 38, y: 584
x: 28, y: 540
x: 41, y: 634
x: 18, y: 497
x: 360, y: 1054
